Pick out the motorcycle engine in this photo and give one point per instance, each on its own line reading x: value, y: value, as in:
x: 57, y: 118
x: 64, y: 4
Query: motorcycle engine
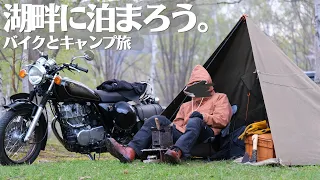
x: 79, y: 125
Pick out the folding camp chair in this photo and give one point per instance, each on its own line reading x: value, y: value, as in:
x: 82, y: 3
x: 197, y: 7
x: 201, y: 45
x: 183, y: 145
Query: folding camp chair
x: 211, y: 145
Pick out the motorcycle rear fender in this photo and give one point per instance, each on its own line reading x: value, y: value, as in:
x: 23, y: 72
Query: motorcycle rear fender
x: 19, y: 104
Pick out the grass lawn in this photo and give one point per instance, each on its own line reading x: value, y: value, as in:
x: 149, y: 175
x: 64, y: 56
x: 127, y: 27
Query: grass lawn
x: 112, y: 169
x: 57, y: 163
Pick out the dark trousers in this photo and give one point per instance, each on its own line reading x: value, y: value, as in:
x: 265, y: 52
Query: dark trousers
x: 196, y: 132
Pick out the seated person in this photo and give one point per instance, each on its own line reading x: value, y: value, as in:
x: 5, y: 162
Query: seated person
x: 196, y: 121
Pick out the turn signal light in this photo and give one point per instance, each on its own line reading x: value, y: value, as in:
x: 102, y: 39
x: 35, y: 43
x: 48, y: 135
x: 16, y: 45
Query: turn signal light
x: 22, y: 73
x: 57, y: 80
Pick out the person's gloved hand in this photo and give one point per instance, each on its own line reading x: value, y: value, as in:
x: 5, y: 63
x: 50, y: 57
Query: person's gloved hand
x: 196, y: 114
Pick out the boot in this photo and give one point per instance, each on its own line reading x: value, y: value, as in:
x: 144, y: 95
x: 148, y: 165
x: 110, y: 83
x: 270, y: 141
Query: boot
x: 173, y: 156
x: 124, y: 154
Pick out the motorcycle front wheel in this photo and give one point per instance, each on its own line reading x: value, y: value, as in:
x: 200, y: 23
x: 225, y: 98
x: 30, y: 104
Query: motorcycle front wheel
x: 13, y: 128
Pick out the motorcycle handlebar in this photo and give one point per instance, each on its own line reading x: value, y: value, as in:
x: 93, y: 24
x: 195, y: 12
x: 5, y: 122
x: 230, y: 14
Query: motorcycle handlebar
x: 75, y: 66
x: 80, y: 68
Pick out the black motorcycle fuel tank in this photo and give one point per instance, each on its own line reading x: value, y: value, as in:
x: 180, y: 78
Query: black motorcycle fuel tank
x: 73, y: 90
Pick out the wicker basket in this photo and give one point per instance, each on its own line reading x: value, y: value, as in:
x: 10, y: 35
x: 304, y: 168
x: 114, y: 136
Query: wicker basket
x: 265, y: 147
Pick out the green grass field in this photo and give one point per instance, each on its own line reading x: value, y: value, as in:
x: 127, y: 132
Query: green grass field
x: 57, y: 163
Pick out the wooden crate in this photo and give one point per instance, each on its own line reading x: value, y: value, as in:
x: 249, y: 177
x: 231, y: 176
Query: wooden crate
x: 265, y: 147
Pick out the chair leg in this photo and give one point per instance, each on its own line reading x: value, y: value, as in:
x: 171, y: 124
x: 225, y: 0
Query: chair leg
x: 208, y: 159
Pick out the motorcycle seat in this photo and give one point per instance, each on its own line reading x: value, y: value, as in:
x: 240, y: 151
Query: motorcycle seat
x: 110, y: 97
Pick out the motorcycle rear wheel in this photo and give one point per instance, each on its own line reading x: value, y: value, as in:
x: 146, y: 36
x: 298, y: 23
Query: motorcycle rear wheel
x: 13, y: 127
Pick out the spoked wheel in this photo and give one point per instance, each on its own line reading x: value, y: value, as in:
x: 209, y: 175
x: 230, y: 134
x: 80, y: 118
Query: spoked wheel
x: 13, y: 128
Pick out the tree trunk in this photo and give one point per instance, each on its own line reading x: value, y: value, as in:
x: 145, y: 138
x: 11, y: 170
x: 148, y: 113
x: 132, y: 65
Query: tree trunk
x: 2, y: 98
x: 153, y: 61
x: 33, y: 55
x: 25, y: 81
x: 317, y: 40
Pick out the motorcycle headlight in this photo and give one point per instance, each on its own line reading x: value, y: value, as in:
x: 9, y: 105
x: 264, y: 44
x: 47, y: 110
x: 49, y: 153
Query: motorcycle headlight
x: 36, y: 74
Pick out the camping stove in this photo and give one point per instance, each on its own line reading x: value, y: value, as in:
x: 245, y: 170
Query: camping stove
x: 162, y: 140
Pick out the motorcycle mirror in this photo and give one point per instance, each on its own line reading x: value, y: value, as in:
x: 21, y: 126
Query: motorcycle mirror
x: 88, y: 55
x: 42, y: 54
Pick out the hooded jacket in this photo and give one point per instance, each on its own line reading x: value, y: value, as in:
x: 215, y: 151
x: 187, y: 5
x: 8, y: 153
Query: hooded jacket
x: 216, y: 110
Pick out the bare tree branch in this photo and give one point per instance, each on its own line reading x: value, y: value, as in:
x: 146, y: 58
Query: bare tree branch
x: 221, y: 2
x: 3, y: 56
x: 56, y: 51
x: 226, y: 2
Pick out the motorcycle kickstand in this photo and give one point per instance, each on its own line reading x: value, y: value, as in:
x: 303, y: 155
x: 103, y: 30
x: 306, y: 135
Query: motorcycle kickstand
x: 92, y: 158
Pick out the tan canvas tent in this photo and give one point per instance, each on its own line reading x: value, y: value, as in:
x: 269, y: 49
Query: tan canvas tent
x: 265, y: 84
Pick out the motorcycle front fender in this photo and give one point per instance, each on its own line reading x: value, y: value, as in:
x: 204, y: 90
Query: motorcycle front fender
x: 21, y: 104
x: 19, y: 96
x: 26, y: 104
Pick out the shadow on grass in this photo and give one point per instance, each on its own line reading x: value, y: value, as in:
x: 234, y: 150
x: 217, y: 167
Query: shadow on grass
x: 55, y: 152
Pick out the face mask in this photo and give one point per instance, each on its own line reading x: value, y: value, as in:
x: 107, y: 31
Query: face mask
x: 198, y: 89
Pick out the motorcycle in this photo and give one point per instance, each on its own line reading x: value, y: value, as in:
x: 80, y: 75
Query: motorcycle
x: 86, y: 117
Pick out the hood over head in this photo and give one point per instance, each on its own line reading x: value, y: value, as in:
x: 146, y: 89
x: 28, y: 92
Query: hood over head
x: 199, y: 73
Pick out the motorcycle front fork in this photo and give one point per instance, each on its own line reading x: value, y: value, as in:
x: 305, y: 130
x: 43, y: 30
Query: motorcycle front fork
x: 36, y: 117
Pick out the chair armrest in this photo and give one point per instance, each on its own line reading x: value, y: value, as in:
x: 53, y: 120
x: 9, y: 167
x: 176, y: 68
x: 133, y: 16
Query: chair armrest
x: 224, y: 132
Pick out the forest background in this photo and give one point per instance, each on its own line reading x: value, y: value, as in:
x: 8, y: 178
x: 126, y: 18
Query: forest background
x: 165, y: 59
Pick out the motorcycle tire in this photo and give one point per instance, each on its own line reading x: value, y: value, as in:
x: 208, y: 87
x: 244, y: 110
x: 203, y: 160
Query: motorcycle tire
x: 39, y: 134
